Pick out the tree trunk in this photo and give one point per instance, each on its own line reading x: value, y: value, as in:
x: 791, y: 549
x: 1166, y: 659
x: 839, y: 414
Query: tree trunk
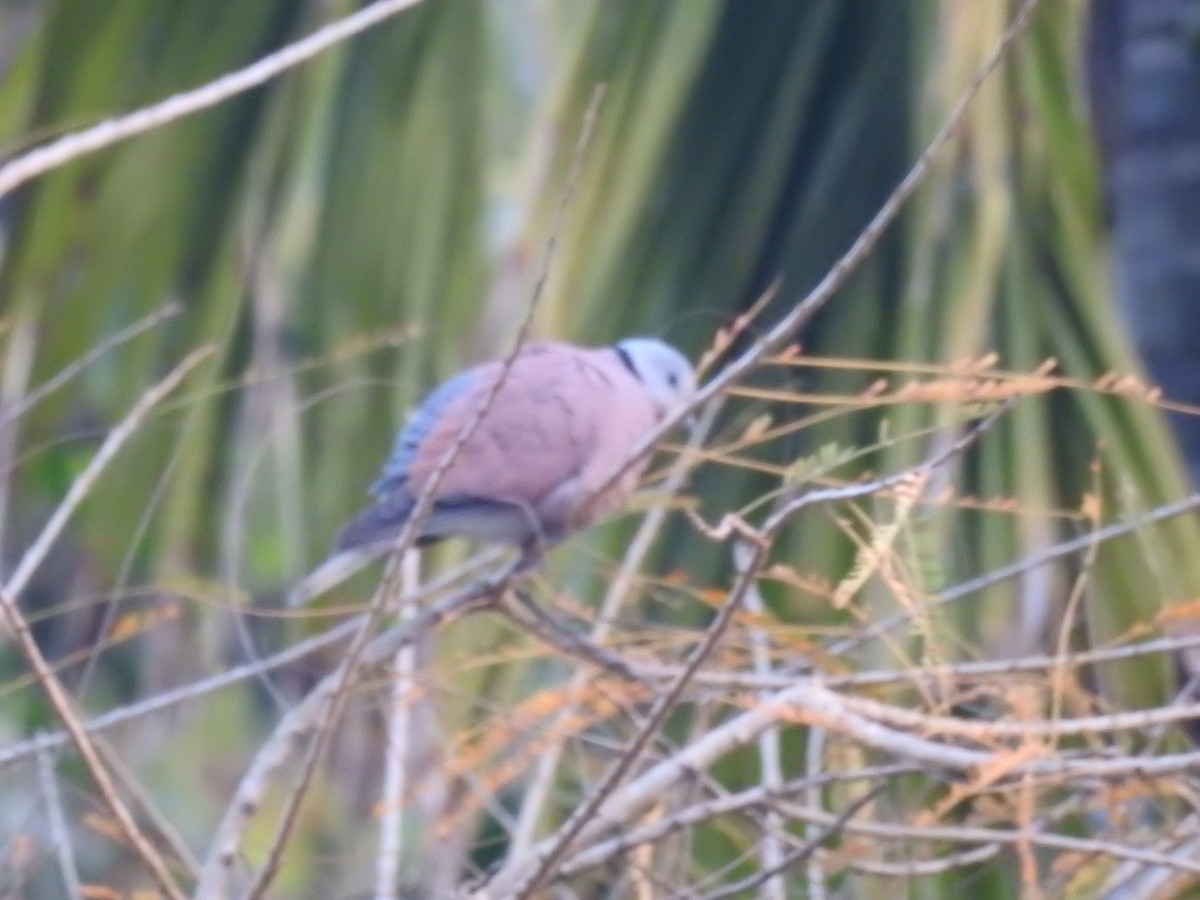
x: 1145, y: 77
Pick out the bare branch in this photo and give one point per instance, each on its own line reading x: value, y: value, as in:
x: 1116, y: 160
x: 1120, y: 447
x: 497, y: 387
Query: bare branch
x: 396, y: 773
x: 784, y: 330
x: 774, y: 860
x: 63, y: 705
x: 1045, y: 557
x: 423, y: 503
x: 799, y: 855
x: 538, y: 791
x: 112, y: 131
x: 82, y: 486
x: 60, y: 832
x: 309, y: 716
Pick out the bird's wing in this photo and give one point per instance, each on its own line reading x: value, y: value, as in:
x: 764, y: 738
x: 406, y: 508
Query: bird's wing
x: 537, y: 432
x: 418, y: 426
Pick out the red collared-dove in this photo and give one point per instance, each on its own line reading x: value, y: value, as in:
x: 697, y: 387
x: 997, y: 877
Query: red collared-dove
x: 563, y: 421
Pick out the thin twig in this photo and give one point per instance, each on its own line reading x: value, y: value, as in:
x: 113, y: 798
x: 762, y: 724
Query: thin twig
x: 921, y: 868
x: 814, y: 765
x: 82, y: 486
x: 104, y: 134
x: 60, y: 832
x: 422, y: 505
x: 20, y: 351
x: 965, y: 671
x: 60, y: 699
x: 244, y: 672
x: 604, y: 851
x: 307, y: 716
x: 541, y: 783
x: 1059, y: 551
x: 528, y: 616
x: 159, y: 823
x: 1058, y: 676
x: 769, y: 760
x: 775, y: 871
x: 782, y: 333
x: 399, y: 750
x: 93, y: 353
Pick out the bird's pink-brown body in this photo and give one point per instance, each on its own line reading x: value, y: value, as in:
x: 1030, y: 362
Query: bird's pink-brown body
x: 562, y: 421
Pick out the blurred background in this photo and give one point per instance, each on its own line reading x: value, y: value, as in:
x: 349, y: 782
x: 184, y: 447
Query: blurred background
x: 375, y: 219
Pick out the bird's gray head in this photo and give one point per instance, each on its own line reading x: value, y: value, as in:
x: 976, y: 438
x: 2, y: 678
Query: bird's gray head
x: 666, y: 373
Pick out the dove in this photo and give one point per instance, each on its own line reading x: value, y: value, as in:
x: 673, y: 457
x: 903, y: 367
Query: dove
x: 534, y: 470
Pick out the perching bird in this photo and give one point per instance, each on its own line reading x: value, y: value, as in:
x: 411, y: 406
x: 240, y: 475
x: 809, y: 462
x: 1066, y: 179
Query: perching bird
x: 563, y: 420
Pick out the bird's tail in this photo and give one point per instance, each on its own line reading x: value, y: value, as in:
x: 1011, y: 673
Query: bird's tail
x: 367, y: 537
x: 338, y: 568
x: 379, y: 522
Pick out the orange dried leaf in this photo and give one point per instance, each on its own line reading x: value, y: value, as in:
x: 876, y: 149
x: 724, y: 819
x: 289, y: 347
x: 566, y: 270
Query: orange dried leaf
x: 104, y: 825
x: 757, y: 428
x: 790, y: 353
x: 1180, y: 611
x: 877, y: 387
x: 127, y: 626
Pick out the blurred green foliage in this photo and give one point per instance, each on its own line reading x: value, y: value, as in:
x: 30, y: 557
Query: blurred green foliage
x: 375, y: 219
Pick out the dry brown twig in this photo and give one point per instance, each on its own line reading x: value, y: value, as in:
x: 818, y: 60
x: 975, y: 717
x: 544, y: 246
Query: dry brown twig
x: 60, y: 699
x: 603, y: 852
x: 520, y: 877
x: 935, y: 741
x: 60, y: 832
x: 308, y: 716
x: 217, y: 867
x: 622, y: 583
x: 1059, y: 551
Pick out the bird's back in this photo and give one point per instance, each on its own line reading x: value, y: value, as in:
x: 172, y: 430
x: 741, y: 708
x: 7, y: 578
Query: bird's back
x: 561, y: 420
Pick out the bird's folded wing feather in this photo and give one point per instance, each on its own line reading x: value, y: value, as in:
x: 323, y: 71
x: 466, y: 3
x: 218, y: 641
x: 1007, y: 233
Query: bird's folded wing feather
x: 539, y: 429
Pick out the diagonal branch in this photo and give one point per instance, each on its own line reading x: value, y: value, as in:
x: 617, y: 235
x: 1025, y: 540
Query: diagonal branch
x: 520, y: 877
x: 59, y: 698
x: 389, y: 585
x: 784, y: 330
x: 310, y: 715
x: 72, y: 146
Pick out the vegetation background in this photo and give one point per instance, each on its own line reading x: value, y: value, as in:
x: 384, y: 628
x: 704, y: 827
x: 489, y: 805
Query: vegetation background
x: 373, y: 220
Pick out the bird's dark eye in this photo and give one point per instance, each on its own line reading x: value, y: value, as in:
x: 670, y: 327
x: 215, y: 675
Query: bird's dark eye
x: 673, y: 380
